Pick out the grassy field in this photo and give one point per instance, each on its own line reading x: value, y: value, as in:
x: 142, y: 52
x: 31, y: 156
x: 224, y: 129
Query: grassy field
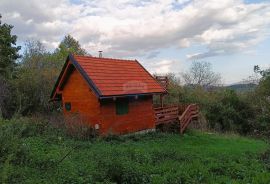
x: 39, y: 153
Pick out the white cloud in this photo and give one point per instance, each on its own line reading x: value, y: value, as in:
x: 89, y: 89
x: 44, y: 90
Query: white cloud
x: 163, y: 66
x: 134, y: 28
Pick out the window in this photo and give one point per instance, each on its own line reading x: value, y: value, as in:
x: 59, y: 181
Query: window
x: 68, y: 106
x: 121, y: 106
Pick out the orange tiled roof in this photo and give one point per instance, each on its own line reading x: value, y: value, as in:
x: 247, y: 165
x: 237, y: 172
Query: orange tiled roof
x: 114, y: 77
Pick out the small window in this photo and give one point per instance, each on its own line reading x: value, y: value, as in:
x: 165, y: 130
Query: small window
x: 68, y: 106
x: 122, y: 106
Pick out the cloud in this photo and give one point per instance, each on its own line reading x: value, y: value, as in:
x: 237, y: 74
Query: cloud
x: 136, y: 28
x: 237, y: 29
x: 152, y: 54
x: 163, y: 66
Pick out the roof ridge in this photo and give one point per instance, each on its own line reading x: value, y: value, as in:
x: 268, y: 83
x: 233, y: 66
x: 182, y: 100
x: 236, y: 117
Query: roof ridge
x: 105, y: 58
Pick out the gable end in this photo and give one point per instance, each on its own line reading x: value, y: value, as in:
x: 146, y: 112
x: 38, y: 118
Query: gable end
x: 73, y: 61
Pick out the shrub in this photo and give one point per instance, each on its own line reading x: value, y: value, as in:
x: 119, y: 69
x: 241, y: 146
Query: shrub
x: 78, y: 127
x: 230, y: 113
x: 11, y: 147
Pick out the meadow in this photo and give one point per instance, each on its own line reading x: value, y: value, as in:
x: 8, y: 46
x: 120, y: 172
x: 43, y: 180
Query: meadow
x: 37, y: 152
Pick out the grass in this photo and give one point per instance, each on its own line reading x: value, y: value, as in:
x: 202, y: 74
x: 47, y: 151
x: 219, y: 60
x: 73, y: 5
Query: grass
x: 39, y: 153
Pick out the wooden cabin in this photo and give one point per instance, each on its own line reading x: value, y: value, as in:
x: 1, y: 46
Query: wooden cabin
x: 115, y: 96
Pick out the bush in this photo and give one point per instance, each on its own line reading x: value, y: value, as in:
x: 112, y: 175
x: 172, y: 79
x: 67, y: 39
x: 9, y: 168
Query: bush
x: 11, y: 147
x: 230, y: 113
x: 78, y: 127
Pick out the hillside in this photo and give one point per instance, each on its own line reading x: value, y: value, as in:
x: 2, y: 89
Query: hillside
x: 39, y: 153
x: 241, y: 87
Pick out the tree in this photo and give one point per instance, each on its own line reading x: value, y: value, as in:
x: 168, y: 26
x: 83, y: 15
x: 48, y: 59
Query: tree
x: 7, y: 106
x: 70, y: 45
x: 36, y: 76
x: 263, y: 89
x: 8, y: 56
x: 260, y: 99
x: 263, y: 73
x: 8, y: 50
x: 201, y: 74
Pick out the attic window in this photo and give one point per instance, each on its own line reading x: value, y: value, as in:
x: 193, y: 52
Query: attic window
x: 121, y: 106
x: 68, y: 106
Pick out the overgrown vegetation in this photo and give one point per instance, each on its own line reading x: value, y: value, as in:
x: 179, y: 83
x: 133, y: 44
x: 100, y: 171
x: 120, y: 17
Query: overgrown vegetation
x: 224, y: 109
x: 37, y: 152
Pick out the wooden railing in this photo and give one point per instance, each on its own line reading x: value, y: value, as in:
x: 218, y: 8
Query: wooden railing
x: 183, y: 114
x: 187, y: 116
x: 166, y: 114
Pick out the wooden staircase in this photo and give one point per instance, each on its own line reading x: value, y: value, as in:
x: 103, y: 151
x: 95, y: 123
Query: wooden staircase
x: 183, y: 115
x: 191, y: 113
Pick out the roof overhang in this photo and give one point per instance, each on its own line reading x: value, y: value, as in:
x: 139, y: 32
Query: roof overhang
x: 130, y: 95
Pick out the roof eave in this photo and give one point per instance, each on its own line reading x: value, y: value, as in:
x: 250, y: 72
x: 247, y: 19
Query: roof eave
x: 151, y: 76
x: 85, y: 76
x: 130, y: 95
x: 53, y: 94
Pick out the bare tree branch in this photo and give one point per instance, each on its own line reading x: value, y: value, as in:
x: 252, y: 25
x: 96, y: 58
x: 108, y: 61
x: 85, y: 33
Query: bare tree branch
x: 201, y: 74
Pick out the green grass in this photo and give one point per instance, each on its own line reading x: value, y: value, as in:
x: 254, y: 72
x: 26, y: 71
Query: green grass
x: 33, y: 153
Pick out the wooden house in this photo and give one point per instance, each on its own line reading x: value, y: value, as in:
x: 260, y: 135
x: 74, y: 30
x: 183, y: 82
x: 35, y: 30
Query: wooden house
x: 113, y: 95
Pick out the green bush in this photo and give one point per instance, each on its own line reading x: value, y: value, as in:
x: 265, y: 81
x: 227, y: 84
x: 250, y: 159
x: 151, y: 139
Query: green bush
x: 11, y: 147
x: 230, y: 113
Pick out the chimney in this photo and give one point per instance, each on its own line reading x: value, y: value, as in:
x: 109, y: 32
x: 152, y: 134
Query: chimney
x: 100, y: 54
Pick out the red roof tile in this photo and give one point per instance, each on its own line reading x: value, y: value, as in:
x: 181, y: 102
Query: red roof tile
x: 118, y: 77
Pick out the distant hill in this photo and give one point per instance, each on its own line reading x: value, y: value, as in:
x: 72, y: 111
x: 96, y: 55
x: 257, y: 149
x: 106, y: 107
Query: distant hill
x: 238, y: 87
x: 242, y: 87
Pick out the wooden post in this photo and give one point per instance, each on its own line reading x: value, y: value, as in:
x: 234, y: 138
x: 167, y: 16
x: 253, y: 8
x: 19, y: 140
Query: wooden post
x: 161, y: 100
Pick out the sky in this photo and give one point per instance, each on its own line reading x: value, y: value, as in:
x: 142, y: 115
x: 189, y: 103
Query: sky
x: 164, y: 35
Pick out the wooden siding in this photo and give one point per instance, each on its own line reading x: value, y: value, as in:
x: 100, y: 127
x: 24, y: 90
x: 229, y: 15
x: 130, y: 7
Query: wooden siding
x: 140, y: 117
x: 83, y: 100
